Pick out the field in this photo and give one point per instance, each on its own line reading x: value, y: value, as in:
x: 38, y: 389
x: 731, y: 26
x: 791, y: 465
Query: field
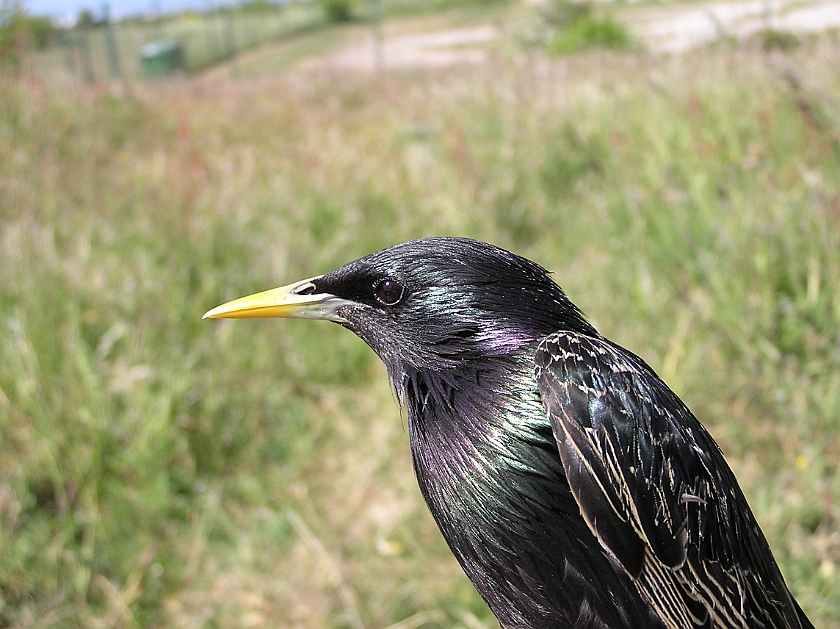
x: 157, y: 470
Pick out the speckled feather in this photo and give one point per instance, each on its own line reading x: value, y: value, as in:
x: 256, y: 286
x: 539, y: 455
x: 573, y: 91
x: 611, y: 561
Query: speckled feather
x: 656, y: 491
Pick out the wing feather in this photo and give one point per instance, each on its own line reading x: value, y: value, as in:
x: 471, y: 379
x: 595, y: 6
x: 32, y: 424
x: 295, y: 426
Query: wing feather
x: 653, y: 487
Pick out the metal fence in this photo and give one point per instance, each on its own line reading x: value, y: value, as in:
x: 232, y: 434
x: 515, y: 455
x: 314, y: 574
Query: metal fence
x: 122, y: 50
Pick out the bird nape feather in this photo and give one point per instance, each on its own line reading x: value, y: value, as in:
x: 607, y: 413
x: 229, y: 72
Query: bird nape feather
x: 573, y: 486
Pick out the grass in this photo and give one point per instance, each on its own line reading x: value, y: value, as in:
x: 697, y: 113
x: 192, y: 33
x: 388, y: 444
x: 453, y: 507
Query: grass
x: 157, y: 470
x: 566, y: 27
x: 290, y: 52
x: 588, y: 33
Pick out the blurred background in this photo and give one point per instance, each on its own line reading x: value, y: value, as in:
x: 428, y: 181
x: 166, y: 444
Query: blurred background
x: 675, y: 164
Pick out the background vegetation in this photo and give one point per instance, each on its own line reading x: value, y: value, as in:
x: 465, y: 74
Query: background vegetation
x: 86, y: 50
x: 157, y: 470
x: 207, y: 38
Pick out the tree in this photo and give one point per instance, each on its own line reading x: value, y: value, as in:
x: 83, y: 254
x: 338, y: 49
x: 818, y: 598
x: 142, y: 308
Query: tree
x: 86, y: 19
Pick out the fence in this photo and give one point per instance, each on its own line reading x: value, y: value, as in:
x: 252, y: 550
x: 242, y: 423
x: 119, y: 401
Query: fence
x: 98, y: 52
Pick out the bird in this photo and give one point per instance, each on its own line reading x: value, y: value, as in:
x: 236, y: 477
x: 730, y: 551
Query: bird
x: 575, y: 489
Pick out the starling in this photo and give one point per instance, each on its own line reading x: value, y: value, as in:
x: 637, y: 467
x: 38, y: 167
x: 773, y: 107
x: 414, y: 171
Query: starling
x: 573, y: 486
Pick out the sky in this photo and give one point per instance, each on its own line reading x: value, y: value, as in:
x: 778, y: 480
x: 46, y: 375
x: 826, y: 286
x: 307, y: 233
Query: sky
x: 68, y: 9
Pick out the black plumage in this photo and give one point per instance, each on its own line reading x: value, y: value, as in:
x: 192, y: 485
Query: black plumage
x: 574, y: 487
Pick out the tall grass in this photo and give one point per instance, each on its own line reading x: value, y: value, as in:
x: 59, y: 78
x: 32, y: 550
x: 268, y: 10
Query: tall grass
x: 157, y: 470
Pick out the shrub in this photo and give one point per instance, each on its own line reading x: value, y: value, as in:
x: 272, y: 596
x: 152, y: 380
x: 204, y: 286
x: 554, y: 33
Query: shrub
x: 338, y: 10
x: 773, y: 39
x: 576, y: 28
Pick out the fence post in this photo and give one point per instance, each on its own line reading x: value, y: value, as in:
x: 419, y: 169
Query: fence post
x: 376, y: 27
x: 84, y: 53
x: 110, y: 43
x: 211, y: 38
x: 230, y: 41
x: 69, y: 43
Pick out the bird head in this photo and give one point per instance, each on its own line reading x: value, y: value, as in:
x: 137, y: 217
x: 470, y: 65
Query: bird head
x: 433, y: 303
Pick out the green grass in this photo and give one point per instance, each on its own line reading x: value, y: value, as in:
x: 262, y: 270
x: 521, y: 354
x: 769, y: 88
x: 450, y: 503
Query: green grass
x: 566, y: 27
x: 157, y: 470
x: 574, y: 27
x: 588, y: 33
x: 289, y: 52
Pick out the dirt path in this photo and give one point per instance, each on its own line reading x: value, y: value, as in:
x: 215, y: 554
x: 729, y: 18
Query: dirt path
x: 691, y: 26
x: 427, y: 50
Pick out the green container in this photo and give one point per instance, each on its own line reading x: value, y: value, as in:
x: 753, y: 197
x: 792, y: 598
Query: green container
x: 162, y: 58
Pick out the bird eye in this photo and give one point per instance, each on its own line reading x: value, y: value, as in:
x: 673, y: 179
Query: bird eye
x: 388, y: 292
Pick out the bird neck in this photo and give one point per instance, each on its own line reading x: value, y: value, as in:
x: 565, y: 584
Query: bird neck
x: 474, y: 431
x: 487, y: 465
x: 469, y: 401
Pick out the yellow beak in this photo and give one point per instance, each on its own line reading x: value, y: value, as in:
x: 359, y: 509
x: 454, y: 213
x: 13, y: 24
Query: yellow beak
x: 295, y: 301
